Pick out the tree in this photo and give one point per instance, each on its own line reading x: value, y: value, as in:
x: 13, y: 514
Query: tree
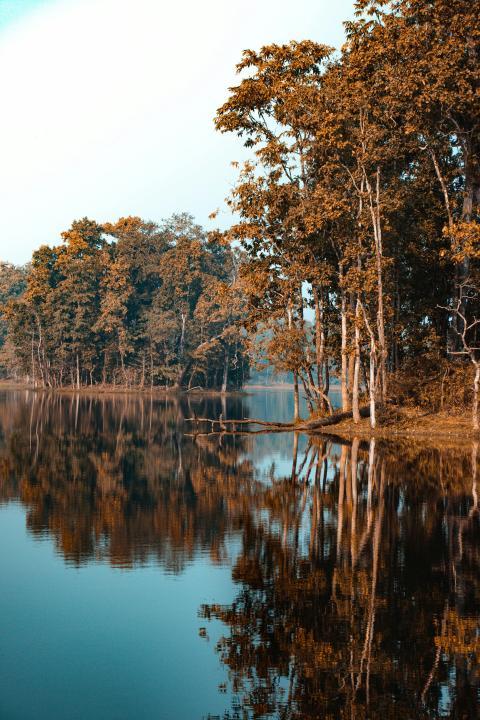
x: 12, y: 285
x: 271, y: 109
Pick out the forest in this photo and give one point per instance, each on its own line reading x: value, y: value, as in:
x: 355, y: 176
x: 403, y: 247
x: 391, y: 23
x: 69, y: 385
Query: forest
x: 357, y: 204
x: 131, y: 303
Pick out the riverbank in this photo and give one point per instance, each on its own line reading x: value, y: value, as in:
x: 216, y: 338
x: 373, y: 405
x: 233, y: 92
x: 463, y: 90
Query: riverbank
x: 156, y: 391
x: 408, y: 423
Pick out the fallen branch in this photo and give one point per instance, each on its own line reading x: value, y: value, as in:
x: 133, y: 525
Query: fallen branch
x: 306, y: 426
x: 243, y: 421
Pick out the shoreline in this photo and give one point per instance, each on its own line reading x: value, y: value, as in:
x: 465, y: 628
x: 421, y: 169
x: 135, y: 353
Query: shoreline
x: 412, y: 425
x: 120, y: 390
x: 409, y: 424
x: 156, y: 390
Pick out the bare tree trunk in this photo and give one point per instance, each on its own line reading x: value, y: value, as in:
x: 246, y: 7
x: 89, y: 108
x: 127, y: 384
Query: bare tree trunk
x: 471, y: 200
x: 78, y: 372
x: 182, y: 336
x: 444, y: 187
x: 377, y: 234
x: 327, y: 378
x: 124, y: 372
x: 296, y: 398
x: 372, y: 385
x: 225, y: 373
x: 308, y: 394
x: 344, y: 358
x: 319, y: 337
x: 33, y: 365
x: 142, y: 382
x: 460, y: 268
x: 39, y: 354
x: 380, y: 318
x: 356, y: 369
x: 151, y: 366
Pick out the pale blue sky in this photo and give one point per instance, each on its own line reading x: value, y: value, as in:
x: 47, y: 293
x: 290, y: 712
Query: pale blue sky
x: 107, y: 105
x: 11, y: 10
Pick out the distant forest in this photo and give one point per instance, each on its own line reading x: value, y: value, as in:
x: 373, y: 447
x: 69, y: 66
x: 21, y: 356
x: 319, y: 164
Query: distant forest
x: 360, y: 200
x: 130, y: 303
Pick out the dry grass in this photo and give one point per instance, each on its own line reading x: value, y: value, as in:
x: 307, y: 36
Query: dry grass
x: 414, y: 423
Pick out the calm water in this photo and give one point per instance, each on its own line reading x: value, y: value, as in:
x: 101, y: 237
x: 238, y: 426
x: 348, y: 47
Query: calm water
x: 148, y: 574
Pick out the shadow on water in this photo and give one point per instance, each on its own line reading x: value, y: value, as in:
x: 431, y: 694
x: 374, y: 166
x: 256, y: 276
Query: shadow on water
x: 355, y: 567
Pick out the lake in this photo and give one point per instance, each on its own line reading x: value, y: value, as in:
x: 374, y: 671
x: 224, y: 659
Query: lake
x: 148, y: 573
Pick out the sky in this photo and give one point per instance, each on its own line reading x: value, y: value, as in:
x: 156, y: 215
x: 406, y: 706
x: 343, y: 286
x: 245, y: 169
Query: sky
x: 108, y: 106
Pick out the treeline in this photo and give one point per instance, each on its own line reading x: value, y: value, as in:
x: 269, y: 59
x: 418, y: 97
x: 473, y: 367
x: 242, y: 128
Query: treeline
x: 361, y: 200
x: 131, y: 303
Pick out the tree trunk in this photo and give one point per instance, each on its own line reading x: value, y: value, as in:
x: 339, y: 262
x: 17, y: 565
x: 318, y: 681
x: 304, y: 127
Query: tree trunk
x: 308, y: 394
x: 142, y: 382
x: 39, y: 355
x: 377, y: 234
x: 225, y: 373
x: 33, y: 364
x: 296, y: 398
x: 356, y: 369
x: 344, y: 358
x: 319, y: 336
x: 327, y: 378
x: 372, y: 385
x: 124, y: 372
x: 104, y: 369
x: 380, y: 317
x: 151, y: 366
x: 182, y: 336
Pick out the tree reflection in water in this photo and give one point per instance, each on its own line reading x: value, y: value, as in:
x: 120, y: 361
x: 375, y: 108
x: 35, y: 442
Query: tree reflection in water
x: 359, y: 588
x: 358, y: 584
x: 113, y: 479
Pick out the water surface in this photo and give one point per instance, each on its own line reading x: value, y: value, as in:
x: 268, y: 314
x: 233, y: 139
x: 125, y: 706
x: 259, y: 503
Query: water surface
x: 149, y: 573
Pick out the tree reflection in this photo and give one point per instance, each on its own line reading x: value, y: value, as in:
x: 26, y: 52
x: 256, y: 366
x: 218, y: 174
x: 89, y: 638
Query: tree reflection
x: 359, y: 589
x: 113, y: 478
x: 357, y: 573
